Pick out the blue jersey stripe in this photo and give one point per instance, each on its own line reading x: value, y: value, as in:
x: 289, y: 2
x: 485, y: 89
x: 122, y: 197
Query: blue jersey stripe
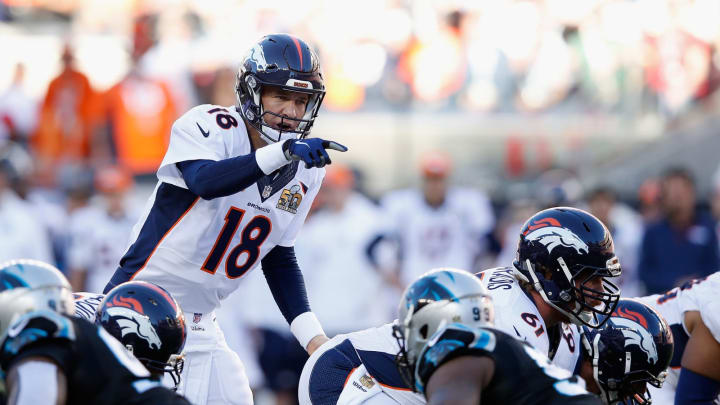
x: 381, y: 366
x: 680, y: 338
x: 170, y: 206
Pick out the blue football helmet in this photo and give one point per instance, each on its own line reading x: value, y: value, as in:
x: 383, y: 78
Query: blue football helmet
x: 148, y: 321
x: 561, y: 251
x: 288, y: 63
x: 633, y: 348
x: 437, y: 298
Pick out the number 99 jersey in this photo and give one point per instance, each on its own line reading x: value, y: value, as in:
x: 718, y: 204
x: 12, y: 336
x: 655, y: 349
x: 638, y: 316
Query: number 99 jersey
x: 198, y: 249
x: 522, y: 375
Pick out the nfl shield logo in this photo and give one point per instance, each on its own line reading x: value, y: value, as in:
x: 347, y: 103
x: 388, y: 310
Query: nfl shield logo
x: 266, y: 192
x: 197, y: 317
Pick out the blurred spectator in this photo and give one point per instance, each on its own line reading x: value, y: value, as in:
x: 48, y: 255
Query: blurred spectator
x: 437, y: 226
x: 99, y: 234
x: 335, y: 237
x: 66, y: 120
x: 510, y: 223
x: 681, y: 245
x: 140, y: 111
x: 626, y: 228
x: 649, y: 200
x: 18, y: 111
x: 21, y: 234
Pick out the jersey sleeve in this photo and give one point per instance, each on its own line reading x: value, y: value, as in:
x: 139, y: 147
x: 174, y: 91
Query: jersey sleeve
x: 86, y: 304
x: 450, y: 342
x: 188, y: 141
x: 288, y: 238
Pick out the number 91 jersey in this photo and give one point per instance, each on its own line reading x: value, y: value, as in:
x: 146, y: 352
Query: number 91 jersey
x: 198, y: 249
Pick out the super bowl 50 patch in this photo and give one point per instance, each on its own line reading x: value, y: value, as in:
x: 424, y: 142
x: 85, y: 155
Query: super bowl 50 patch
x: 290, y: 199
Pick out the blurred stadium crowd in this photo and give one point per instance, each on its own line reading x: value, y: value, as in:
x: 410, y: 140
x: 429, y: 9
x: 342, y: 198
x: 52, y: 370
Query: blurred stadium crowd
x: 84, y: 123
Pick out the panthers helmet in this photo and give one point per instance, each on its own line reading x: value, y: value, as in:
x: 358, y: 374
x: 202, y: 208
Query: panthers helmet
x: 561, y: 252
x: 147, y: 320
x: 634, y: 348
x: 28, y: 286
x: 286, y: 62
x: 437, y: 298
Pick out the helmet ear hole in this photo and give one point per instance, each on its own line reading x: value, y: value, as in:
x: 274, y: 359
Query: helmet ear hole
x: 424, y: 331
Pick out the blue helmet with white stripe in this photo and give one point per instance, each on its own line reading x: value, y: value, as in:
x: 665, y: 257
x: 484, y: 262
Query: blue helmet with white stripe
x: 439, y: 297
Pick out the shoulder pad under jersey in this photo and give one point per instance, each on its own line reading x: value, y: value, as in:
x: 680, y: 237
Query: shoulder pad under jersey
x: 447, y: 343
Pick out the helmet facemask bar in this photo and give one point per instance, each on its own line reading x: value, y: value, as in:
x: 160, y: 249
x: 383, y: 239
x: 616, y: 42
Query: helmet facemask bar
x: 594, y: 316
x: 253, y: 111
x: 572, y: 301
x: 402, y: 362
x: 629, y: 389
x: 174, y: 367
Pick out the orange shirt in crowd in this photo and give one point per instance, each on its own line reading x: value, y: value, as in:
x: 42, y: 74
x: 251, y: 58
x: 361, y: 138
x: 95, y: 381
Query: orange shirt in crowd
x: 65, y: 122
x: 141, y: 113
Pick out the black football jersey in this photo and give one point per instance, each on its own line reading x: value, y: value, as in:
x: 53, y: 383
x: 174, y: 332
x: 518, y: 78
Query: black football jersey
x: 523, y: 376
x: 98, y: 368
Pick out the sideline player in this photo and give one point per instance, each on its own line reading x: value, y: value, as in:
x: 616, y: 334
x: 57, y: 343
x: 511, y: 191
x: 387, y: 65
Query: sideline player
x: 49, y: 357
x: 693, y: 312
x: 145, y: 319
x: 233, y: 194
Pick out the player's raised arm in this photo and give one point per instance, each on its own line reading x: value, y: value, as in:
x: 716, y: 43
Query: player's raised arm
x: 699, y: 381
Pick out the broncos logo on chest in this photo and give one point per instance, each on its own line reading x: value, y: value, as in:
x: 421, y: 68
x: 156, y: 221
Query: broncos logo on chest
x: 553, y: 236
x: 133, y: 322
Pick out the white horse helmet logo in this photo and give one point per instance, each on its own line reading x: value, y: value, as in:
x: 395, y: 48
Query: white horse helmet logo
x: 633, y: 327
x: 554, y: 236
x: 131, y: 321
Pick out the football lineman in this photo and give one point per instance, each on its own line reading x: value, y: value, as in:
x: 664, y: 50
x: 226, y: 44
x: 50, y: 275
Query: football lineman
x: 632, y: 350
x: 234, y: 189
x: 359, y: 368
x: 692, y: 311
x: 49, y: 357
x: 450, y: 353
x: 145, y: 319
x: 559, y: 280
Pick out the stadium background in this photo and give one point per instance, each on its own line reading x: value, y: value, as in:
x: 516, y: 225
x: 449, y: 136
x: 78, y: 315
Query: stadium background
x: 533, y: 102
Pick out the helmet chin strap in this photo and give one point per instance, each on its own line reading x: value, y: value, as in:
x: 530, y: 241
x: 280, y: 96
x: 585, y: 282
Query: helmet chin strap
x: 605, y: 396
x: 538, y: 287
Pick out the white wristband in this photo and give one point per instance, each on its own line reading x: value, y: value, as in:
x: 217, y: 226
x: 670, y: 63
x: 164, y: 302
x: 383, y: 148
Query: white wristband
x: 305, y: 327
x: 271, y: 157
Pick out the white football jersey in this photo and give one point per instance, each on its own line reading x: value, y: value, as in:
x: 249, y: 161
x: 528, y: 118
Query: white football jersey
x: 198, y: 249
x: 696, y: 295
x: 376, y: 348
x: 447, y: 236
x: 96, y: 244
x: 517, y: 315
x: 86, y: 304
